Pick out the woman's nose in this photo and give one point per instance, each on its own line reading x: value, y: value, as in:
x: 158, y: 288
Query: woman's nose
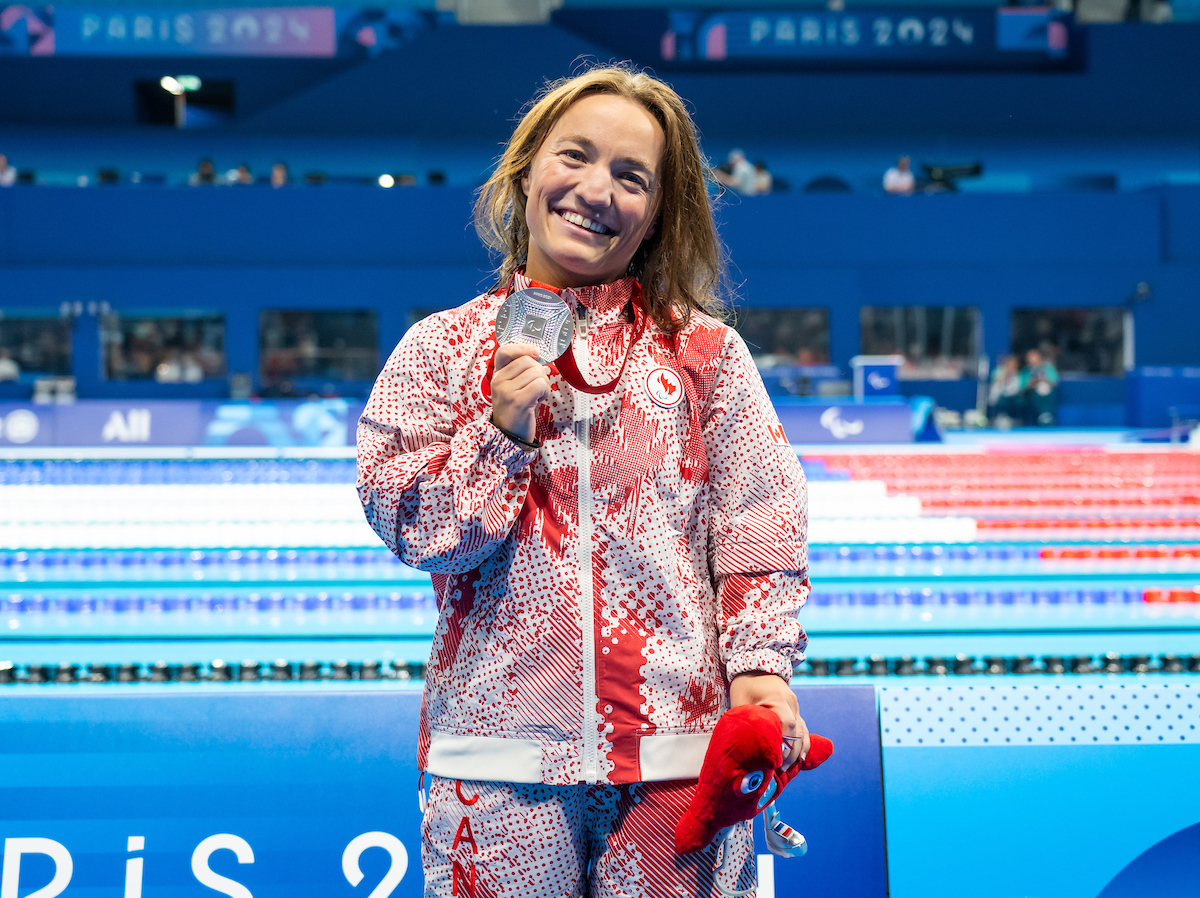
x: 595, y: 187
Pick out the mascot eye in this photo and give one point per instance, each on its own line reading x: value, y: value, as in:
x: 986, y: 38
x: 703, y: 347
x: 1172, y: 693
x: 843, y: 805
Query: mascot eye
x: 751, y: 781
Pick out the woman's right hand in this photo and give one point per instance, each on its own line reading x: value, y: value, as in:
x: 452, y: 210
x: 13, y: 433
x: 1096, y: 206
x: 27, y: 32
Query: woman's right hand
x: 519, y: 383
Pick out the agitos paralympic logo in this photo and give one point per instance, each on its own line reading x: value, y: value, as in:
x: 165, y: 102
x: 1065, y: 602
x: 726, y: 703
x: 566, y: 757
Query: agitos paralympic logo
x: 831, y: 420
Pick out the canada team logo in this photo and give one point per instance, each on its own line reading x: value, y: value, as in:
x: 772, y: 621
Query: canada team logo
x: 664, y: 387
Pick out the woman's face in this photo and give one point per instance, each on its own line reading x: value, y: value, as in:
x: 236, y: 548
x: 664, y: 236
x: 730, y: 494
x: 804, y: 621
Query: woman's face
x: 593, y: 192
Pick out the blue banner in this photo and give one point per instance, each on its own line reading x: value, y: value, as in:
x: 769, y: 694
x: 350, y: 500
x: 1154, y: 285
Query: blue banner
x: 806, y: 421
x: 283, y: 31
x: 332, y: 422
x: 320, y: 422
x: 1018, y: 37
x: 310, y: 791
x: 293, y: 31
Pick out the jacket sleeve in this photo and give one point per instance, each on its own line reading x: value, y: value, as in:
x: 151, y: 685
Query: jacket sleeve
x: 758, y: 551
x: 441, y: 487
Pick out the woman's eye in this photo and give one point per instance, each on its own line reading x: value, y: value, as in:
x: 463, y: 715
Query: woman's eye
x: 634, y: 179
x: 751, y: 781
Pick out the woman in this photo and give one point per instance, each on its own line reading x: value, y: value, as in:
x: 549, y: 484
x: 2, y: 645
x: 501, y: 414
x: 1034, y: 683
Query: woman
x: 1039, y: 382
x: 618, y: 550
x: 1005, y: 395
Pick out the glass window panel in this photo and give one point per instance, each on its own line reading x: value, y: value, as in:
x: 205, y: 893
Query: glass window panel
x: 1088, y: 341
x: 34, y: 344
x: 937, y: 342
x: 329, y: 345
x: 783, y: 337
x: 169, y: 347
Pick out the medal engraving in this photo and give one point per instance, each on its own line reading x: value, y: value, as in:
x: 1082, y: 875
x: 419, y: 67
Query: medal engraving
x: 538, y: 318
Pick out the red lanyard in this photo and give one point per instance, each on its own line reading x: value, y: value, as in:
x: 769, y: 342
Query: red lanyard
x: 569, y: 368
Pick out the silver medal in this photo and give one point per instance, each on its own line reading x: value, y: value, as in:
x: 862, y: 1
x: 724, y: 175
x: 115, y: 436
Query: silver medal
x: 537, y: 317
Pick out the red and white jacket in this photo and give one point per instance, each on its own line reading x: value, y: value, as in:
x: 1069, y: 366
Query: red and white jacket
x: 598, y: 594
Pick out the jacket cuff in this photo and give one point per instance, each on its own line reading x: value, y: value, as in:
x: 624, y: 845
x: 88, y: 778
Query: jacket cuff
x: 512, y: 456
x: 762, y: 660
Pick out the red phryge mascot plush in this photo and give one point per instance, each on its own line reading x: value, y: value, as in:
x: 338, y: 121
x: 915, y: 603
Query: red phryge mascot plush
x: 741, y: 777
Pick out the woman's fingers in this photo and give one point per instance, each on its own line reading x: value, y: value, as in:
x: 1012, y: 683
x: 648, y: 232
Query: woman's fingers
x: 794, y: 728
x: 519, y: 383
x: 519, y: 373
x: 516, y: 367
x: 510, y: 351
x: 526, y: 390
x: 538, y: 375
x: 800, y: 743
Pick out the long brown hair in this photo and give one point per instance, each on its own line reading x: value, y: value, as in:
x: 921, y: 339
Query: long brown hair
x: 682, y: 267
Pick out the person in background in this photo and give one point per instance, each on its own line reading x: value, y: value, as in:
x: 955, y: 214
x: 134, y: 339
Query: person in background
x: 169, y: 370
x: 9, y: 369
x: 899, y: 179
x: 191, y: 371
x: 739, y: 174
x: 1039, y: 382
x: 763, y: 182
x: 204, y: 175
x: 279, y: 175
x: 1005, y: 396
x: 240, y: 176
x: 8, y: 174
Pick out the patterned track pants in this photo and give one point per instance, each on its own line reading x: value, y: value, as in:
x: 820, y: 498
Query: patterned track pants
x: 517, y: 840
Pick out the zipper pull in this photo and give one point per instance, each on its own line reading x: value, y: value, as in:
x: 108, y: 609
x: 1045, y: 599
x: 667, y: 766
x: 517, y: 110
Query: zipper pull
x: 581, y: 329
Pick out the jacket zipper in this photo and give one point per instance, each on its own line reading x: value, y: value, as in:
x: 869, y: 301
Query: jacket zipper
x: 587, y: 609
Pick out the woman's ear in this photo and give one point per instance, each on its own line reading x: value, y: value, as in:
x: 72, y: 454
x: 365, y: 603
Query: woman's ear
x: 525, y: 182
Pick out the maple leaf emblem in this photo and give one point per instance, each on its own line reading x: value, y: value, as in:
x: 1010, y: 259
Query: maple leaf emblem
x: 669, y: 387
x: 699, y: 702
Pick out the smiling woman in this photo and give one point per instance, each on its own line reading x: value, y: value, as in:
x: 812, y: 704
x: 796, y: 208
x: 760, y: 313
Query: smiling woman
x: 616, y: 565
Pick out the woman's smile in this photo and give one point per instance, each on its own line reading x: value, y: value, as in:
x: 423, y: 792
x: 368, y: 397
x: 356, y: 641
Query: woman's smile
x: 586, y: 223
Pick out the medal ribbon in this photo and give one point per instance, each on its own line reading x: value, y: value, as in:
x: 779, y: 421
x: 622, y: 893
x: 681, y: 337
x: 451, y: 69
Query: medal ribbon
x: 569, y: 368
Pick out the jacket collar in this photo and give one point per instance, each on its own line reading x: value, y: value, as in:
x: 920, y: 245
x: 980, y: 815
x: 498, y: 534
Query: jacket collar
x: 600, y: 299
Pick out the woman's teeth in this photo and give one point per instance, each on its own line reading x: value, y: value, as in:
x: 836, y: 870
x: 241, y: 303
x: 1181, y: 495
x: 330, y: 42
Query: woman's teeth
x: 576, y: 219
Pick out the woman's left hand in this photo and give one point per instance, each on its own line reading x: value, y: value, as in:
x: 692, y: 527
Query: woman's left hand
x: 770, y: 691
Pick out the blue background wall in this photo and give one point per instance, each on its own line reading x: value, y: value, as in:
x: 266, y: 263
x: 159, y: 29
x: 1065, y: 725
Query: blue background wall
x: 448, y: 98
x: 239, y: 251
x: 449, y: 81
